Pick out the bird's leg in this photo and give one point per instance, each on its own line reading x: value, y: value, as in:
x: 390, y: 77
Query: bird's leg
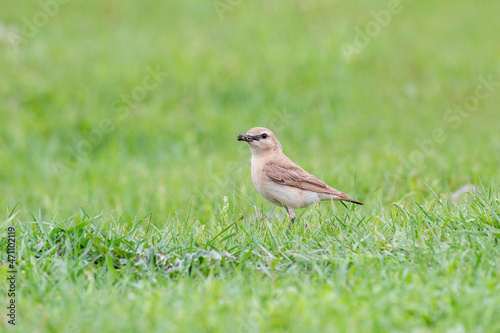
x: 291, y: 214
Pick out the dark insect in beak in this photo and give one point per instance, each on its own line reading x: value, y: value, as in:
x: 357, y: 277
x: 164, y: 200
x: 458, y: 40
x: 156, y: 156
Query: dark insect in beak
x: 247, y: 138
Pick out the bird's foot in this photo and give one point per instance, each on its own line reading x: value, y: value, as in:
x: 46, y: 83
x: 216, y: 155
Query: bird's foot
x: 290, y: 225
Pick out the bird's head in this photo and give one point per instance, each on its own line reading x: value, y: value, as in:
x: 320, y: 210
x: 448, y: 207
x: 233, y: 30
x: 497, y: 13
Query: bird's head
x: 261, y: 140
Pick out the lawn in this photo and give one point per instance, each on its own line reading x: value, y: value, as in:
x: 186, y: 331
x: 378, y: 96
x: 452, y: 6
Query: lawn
x: 131, y: 199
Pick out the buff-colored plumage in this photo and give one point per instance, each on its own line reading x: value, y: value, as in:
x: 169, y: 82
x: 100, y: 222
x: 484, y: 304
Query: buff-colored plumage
x: 281, y: 181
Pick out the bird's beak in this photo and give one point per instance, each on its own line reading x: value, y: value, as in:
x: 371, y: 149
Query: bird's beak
x: 245, y: 137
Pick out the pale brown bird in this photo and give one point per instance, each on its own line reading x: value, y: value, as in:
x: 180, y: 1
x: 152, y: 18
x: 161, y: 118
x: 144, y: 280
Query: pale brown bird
x: 281, y: 181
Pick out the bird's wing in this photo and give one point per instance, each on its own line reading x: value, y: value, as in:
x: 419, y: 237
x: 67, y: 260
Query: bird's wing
x: 293, y: 175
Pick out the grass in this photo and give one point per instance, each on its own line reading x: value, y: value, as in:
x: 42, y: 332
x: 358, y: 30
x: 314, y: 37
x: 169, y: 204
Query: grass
x: 117, y: 192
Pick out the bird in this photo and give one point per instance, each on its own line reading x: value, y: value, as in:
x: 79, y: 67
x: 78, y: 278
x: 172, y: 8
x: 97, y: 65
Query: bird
x: 279, y: 180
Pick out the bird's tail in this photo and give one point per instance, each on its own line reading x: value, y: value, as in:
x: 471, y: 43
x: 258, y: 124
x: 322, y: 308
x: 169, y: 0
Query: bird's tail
x: 353, y: 201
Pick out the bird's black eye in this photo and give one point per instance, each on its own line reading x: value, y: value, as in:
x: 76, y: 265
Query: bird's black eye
x: 264, y: 135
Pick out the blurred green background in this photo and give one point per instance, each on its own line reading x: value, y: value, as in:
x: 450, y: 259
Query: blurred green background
x: 252, y: 63
x: 132, y: 107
